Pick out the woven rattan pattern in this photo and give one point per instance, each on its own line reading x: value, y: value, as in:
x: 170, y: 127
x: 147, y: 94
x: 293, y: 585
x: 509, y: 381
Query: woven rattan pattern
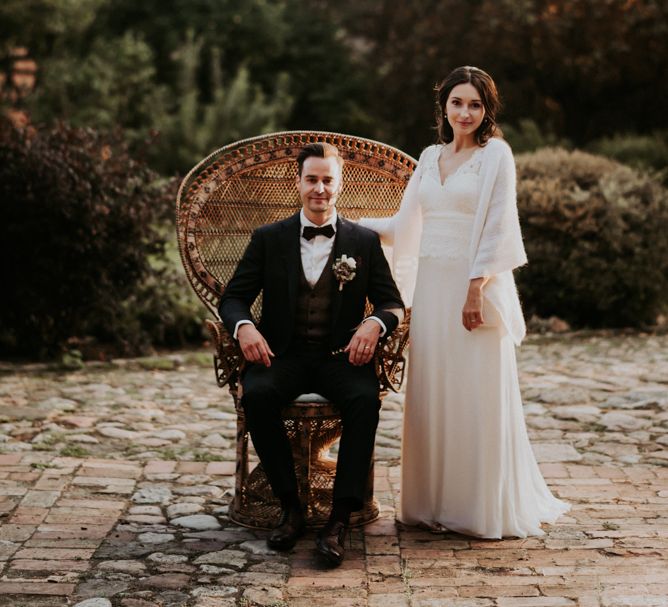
x: 315, y: 479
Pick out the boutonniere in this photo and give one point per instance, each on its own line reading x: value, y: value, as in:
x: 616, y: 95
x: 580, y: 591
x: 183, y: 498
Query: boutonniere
x: 344, y: 269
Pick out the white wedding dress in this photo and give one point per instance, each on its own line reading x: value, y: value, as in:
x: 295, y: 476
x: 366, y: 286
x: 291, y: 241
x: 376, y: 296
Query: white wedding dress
x: 467, y: 463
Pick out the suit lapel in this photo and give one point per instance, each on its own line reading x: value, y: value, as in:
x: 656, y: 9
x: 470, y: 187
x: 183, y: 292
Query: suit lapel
x: 292, y: 256
x: 345, y: 244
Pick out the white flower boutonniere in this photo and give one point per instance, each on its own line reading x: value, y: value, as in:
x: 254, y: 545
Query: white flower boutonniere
x: 344, y: 269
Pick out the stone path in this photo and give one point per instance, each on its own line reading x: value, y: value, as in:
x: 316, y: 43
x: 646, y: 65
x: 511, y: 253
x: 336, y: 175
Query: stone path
x: 115, y: 481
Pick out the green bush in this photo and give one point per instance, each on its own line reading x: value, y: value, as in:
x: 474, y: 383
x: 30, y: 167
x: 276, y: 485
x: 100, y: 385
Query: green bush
x: 164, y: 309
x: 81, y: 222
x: 527, y: 136
x: 639, y: 151
x: 596, y: 234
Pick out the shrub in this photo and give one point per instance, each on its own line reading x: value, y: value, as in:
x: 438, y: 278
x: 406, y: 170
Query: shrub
x: 639, y: 151
x: 80, y: 218
x: 527, y: 136
x: 164, y: 308
x: 596, y: 234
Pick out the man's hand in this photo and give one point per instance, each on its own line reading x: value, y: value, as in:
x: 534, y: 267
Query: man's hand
x: 363, y: 344
x: 254, y: 346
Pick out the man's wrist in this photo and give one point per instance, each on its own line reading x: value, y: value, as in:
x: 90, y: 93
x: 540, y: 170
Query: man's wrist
x: 381, y: 324
x: 239, y: 325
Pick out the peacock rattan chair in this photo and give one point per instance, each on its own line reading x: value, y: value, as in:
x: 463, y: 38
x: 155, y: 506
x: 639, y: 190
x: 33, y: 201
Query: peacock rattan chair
x: 220, y: 202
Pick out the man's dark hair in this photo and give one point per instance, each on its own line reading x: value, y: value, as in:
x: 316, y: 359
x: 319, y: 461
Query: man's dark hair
x: 319, y: 150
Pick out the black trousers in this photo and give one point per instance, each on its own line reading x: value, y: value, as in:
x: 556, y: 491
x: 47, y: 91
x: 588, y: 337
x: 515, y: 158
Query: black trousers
x: 354, y: 390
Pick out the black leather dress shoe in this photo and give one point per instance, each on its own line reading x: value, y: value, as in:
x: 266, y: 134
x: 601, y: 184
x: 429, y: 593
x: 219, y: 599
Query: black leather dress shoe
x: 290, y: 528
x: 329, y: 542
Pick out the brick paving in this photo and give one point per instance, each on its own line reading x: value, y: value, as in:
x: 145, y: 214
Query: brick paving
x: 115, y: 482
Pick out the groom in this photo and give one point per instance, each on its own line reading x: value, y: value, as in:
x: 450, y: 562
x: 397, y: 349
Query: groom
x: 309, y: 312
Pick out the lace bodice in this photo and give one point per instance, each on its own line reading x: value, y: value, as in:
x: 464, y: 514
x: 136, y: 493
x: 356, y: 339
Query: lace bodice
x: 448, y: 208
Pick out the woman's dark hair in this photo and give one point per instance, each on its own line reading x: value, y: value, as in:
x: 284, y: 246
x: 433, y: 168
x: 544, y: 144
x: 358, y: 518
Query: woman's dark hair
x: 489, y: 96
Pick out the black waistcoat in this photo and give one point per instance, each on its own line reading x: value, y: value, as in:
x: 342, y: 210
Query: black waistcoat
x: 313, y: 320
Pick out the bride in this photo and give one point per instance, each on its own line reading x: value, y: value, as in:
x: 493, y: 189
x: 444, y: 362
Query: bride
x: 467, y: 463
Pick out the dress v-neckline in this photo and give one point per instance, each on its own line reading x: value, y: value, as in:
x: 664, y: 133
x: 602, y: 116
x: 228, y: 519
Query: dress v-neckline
x: 443, y: 181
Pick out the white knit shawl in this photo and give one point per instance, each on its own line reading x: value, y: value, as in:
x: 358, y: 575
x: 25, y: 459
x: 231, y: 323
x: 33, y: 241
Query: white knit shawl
x: 496, y: 242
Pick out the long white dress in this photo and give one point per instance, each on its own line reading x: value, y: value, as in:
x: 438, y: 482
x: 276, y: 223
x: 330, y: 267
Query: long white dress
x: 467, y: 463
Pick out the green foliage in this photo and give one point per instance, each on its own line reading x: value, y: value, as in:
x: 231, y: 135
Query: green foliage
x: 156, y: 363
x: 579, y: 69
x: 72, y: 360
x: 112, y: 86
x: 111, y: 64
x: 200, y: 75
x: 74, y: 451
x: 79, y: 215
x: 527, y: 137
x: 235, y: 110
x: 164, y: 309
x: 247, y: 31
x: 45, y: 26
x: 640, y: 151
x: 596, y: 234
x: 332, y: 91
x: 290, y: 39
x: 207, y: 456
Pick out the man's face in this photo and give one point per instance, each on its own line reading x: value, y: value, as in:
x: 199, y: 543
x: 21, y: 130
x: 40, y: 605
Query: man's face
x: 319, y: 186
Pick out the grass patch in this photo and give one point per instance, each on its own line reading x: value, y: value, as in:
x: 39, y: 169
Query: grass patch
x: 50, y: 439
x: 38, y: 466
x: 74, y: 451
x: 156, y: 363
x: 42, y: 447
x: 206, y: 456
x: 168, y: 453
x: 594, y: 427
x: 200, y: 359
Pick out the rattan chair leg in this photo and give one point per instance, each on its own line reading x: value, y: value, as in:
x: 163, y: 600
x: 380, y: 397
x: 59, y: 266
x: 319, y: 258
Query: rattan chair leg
x: 304, y: 464
x: 242, y: 463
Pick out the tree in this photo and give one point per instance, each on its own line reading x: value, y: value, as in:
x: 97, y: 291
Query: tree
x: 121, y: 67
x: 580, y: 69
x: 236, y: 110
x: 112, y: 86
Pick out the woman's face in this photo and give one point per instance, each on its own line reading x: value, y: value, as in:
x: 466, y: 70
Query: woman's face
x: 465, y: 110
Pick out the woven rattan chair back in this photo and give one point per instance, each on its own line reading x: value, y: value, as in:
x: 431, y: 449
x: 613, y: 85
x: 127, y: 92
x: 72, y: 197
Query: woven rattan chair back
x: 252, y: 182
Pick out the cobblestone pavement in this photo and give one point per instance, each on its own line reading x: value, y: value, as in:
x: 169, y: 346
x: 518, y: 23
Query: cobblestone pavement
x: 115, y: 481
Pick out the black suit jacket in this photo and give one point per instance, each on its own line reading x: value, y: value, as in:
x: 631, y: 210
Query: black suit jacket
x: 271, y: 264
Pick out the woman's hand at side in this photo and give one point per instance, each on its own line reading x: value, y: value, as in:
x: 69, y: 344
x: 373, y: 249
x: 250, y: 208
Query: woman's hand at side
x: 472, y: 316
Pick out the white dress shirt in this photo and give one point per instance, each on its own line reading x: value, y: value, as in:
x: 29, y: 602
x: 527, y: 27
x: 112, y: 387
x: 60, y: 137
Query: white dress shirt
x: 314, y: 254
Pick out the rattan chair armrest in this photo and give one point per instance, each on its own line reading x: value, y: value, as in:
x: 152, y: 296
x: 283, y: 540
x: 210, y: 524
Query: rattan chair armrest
x: 227, y: 359
x: 389, y: 358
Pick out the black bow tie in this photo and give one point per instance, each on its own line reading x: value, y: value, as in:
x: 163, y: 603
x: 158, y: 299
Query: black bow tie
x: 310, y: 232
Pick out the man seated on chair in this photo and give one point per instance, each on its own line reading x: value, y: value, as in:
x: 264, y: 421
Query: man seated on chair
x: 315, y: 271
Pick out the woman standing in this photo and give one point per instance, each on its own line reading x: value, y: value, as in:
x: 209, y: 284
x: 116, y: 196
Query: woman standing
x: 467, y: 463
